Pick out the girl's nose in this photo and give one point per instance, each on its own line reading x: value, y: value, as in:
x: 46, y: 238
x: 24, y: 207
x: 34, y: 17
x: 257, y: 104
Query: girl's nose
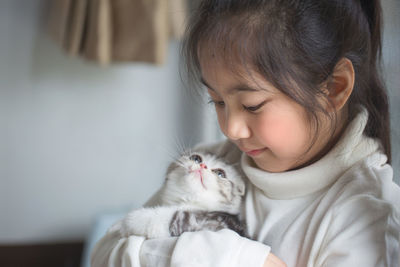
x: 203, y: 166
x: 236, y: 128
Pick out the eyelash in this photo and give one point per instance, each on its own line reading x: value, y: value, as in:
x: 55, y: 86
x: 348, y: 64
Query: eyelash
x: 217, y: 103
x: 254, y: 108
x: 248, y: 108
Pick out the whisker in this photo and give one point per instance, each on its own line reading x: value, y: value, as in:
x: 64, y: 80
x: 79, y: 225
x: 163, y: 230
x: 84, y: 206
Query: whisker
x: 180, y: 162
x: 180, y: 145
x: 171, y: 154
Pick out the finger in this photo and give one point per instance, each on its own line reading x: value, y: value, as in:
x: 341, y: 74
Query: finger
x: 274, y: 261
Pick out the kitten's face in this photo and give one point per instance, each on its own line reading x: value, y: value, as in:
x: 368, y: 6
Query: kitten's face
x: 202, y: 179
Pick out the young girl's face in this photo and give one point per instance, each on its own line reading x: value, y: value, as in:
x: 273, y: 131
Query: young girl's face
x: 263, y: 122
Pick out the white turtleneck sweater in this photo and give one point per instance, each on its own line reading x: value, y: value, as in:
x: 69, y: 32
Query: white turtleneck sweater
x: 343, y: 210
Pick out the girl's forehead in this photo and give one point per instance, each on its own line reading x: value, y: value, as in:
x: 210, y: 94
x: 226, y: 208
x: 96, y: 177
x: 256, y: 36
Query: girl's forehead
x: 213, y: 66
x: 217, y: 73
x: 209, y: 55
x: 215, y: 69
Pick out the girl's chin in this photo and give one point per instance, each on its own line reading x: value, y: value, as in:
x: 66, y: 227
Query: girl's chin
x: 270, y: 166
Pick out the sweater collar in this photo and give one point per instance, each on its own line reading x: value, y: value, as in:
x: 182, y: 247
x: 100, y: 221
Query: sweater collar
x: 352, y: 147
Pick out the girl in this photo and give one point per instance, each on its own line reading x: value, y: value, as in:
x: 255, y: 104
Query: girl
x: 298, y: 94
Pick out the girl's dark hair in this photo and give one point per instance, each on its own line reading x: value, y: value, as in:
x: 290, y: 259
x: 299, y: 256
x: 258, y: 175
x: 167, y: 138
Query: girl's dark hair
x: 295, y: 45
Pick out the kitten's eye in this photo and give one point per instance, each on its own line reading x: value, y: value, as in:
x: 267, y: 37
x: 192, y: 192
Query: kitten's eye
x: 196, y: 158
x: 219, y: 172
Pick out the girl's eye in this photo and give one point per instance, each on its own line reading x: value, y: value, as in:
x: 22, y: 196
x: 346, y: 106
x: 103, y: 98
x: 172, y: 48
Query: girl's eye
x: 217, y: 103
x: 254, y: 108
x: 219, y: 172
x: 196, y: 158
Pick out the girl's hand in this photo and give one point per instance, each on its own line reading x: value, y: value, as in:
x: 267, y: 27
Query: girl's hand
x: 273, y: 261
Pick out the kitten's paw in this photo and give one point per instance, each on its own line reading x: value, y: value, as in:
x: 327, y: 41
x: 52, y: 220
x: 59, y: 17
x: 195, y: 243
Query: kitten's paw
x: 144, y: 222
x: 133, y: 224
x: 116, y: 227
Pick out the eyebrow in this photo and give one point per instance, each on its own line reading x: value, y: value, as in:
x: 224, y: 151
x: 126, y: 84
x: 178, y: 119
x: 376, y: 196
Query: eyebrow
x: 236, y: 88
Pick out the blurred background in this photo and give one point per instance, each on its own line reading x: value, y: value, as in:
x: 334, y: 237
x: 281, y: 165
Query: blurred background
x: 87, y: 133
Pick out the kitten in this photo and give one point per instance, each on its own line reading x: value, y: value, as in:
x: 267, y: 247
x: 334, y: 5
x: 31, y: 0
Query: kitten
x: 200, y: 192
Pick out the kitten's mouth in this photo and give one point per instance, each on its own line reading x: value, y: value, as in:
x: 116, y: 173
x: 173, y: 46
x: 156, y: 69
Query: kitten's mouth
x: 199, y: 172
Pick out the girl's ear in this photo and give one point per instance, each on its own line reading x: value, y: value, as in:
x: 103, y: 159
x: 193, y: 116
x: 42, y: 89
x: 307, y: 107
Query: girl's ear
x: 341, y: 83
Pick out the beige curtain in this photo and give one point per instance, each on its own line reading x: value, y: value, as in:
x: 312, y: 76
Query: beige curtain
x: 108, y: 31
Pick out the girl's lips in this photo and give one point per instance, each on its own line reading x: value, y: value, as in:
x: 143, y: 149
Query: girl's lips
x: 255, y: 152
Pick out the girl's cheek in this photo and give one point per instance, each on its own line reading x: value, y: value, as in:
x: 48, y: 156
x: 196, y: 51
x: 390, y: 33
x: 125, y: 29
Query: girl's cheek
x: 284, y: 134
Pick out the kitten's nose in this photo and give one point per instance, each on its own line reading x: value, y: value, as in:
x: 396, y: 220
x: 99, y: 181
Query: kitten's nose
x: 203, y: 166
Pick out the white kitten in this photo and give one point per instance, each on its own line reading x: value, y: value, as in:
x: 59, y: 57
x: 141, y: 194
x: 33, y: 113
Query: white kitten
x: 200, y: 192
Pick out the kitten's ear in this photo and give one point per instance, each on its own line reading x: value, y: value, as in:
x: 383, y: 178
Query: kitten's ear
x: 240, y: 189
